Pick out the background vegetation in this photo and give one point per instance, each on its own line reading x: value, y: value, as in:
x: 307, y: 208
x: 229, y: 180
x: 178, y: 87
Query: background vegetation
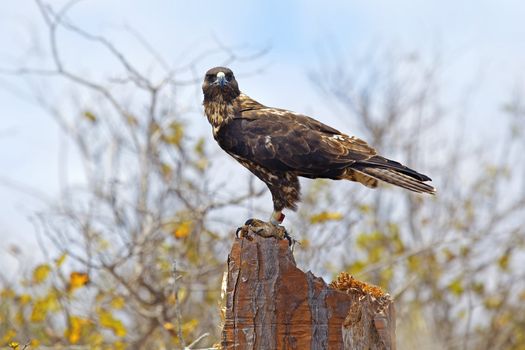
x: 135, y: 254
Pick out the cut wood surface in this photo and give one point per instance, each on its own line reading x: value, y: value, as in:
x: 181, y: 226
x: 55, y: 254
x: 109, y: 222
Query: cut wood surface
x: 271, y: 304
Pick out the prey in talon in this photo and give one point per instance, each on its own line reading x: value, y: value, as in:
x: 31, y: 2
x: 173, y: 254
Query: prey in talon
x: 279, y: 146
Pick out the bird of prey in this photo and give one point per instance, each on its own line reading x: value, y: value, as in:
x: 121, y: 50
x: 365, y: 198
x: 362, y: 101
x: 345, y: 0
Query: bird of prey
x: 278, y: 146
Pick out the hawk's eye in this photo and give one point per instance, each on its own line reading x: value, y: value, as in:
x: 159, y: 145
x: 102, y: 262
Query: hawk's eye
x: 229, y: 76
x: 210, y: 77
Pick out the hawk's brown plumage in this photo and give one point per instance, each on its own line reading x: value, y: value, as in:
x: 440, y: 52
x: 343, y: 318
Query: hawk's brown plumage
x: 278, y: 145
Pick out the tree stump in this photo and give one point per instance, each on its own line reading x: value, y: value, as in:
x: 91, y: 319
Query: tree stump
x: 271, y: 304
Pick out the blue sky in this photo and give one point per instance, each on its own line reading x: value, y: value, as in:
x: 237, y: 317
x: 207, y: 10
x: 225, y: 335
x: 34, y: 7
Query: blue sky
x: 479, y: 40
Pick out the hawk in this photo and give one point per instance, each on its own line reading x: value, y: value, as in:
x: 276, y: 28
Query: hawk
x: 278, y: 146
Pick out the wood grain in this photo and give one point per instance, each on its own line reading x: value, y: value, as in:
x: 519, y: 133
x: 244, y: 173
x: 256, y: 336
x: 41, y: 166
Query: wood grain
x: 271, y: 304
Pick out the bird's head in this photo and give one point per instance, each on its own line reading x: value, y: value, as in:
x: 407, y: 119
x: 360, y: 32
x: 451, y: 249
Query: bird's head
x: 219, y: 83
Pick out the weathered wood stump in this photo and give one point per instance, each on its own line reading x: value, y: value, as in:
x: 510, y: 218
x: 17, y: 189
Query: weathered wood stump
x: 271, y: 304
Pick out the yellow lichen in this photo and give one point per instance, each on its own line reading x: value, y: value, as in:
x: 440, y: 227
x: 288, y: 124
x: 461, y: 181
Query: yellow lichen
x: 346, y: 282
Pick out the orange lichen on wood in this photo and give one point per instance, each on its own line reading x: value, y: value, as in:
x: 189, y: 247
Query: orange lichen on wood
x: 371, y: 319
x: 346, y: 283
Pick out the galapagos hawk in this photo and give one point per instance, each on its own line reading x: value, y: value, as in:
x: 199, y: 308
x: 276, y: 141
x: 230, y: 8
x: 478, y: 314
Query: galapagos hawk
x: 278, y: 146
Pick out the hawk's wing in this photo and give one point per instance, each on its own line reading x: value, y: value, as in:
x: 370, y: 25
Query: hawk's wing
x: 284, y: 141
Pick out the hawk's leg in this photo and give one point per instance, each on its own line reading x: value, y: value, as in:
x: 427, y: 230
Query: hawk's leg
x: 277, y: 217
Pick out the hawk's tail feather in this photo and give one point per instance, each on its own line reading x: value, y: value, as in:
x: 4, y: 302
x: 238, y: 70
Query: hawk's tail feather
x: 394, y: 177
x: 385, y: 163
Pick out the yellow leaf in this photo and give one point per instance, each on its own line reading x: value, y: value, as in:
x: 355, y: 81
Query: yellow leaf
x: 199, y: 147
x: 456, y: 287
x: 74, y: 331
x: 7, y: 293
x: 356, y: 267
x: 77, y: 280
x: 169, y: 326
x: 183, y: 229
x: 13, y: 345
x: 90, y: 116
x: 189, y: 326
x: 364, y: 208
x: 24, y: 299
x: 42, y: 306
x: 492, y: 302
x: 478, y: 288
x: 172, y: 299
x: 173, y: 134
x: 304, y: 243
x: 166, y: 171
x: 503, y: 261
x: 414, y: 263
x: 60, y: 260
x: 19, y: 318
x: 8, y: 337
x: 40, y: 273
x: 154, y: 128
x: 118, y: 303
x: 449, y: 255
x: 131, y: 120
x: 118, y: 345
x: 325, y: 216
x: 464, y: 251
x: 193, y: 256
x: 107, y: 320
x: 39, y: 312
x: 102, y: 244
x: 95, y: 340
x: 202, y: 164
x: 183, y: 293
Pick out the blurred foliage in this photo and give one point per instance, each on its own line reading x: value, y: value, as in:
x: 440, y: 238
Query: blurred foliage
x: 139, y: 249
x: 451, y: 262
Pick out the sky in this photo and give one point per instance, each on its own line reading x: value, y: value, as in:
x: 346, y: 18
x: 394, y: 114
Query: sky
x: 480, y: 41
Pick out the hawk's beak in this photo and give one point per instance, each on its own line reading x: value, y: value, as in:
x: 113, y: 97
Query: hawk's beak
x: 221, y: 79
